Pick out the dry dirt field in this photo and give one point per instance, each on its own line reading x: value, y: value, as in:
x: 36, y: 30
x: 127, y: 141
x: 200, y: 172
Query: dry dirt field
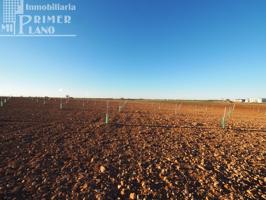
x: 148, y: 150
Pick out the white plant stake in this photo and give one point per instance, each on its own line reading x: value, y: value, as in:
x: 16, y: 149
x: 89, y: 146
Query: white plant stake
x: 122, y: 107
x: 1, y: 103
x: 234, y: 107
x: 107, y: 113
x: 223, y: 119
x: 61, y: 104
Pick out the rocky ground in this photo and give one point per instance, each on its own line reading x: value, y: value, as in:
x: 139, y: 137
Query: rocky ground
x: 148, y: 150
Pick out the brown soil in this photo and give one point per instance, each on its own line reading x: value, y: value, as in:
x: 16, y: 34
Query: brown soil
x: 151, y: 150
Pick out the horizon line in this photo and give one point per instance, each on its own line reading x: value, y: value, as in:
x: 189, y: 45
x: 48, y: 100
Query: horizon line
x: 128, y: 98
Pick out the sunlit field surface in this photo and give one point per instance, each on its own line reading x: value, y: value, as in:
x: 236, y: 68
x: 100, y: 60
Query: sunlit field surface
x: 125, y: 149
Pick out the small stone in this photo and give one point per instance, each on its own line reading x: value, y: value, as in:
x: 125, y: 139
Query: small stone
x: 102, y: 169
x: 132, y: 196
x: 201, y: 167
x: 216, y: 183
x: 194, y: 123
x: 143, y: 184
x: 33, y: 183
x: 84, y: 187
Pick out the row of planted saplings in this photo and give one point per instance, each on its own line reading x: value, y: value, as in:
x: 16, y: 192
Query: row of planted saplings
x: 123, y: 105
x: 224, y: 121
x: 44, y: 100
x: 120, y: 109
x: 64, y: 101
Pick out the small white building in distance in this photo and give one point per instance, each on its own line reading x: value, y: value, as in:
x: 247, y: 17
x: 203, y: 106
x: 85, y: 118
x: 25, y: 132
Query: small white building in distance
x: 256, y: 100
x: 239, y: 100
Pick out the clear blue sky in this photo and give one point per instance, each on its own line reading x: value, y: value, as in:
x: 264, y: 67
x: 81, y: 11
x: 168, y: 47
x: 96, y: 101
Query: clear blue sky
x: 145, y: 48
